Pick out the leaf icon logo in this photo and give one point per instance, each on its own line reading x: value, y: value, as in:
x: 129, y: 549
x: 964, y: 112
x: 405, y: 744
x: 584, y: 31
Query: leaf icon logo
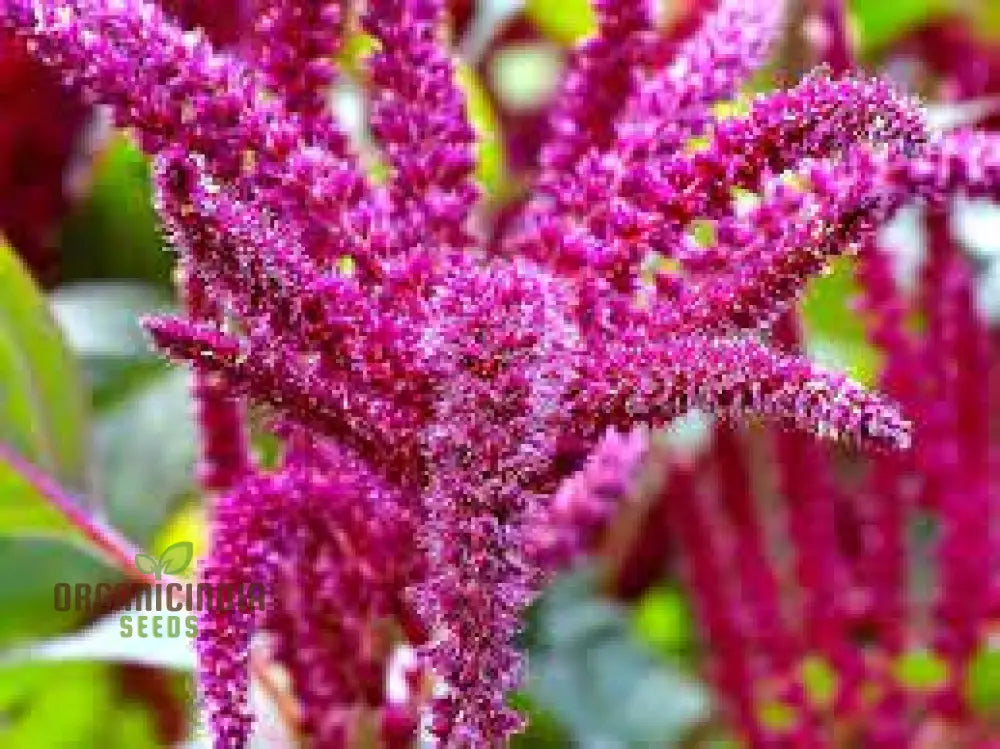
x: 173, y: 561
x: 147, y: 565
x: 176, y: 557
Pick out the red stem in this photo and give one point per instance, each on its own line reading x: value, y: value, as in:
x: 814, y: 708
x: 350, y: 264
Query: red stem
x: 108, y: 541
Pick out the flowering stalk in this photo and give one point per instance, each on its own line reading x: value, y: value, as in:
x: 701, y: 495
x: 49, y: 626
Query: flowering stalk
x: 598, y: 84
x: 702, y: 551
x: 758, y: 585
x: 418, y: 115
x: 855, y: 619
x: 292, y: 42
x: 673, y: 103
x: 576, y: 520
x: 225, y: 450
x: 956, y: 458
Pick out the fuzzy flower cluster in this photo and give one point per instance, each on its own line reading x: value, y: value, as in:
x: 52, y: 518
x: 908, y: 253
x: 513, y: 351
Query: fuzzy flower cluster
x: 433, y: 384
x: 831, y: 618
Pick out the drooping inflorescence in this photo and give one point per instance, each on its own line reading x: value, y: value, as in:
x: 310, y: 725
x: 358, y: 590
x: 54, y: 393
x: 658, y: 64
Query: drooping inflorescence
x: 832, y: 615
x: 430, y: 383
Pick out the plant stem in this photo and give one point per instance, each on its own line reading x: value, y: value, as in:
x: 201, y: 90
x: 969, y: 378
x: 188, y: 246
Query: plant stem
x: 112, y: 544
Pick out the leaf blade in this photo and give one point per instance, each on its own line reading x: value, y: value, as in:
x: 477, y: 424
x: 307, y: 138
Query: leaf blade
x: 43, y: 403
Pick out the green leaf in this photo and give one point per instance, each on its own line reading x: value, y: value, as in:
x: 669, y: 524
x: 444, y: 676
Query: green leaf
x: 23, y: 511
x: 176, y: 558
x: 662, y: 619
x: 36, y: 565
x: 69, y: 705
x: 43, y: 420
x: 35, y: 702
x: 543, y: 730
x: 133, y: 727
x: 355, y: 50
x: 778, y: 716
x: 820, y: 681
x: 43, y: 404
x: 835, y: 335
x: 100, y: 321
x: 489, y: 147
x: 103, y: 641
x: 147, y: 565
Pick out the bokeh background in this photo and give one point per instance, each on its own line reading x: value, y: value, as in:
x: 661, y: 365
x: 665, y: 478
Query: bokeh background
x: 83, y: 397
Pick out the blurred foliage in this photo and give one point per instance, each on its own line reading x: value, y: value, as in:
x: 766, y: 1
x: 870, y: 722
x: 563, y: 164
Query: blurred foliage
x: 778, y: 716
x: 834, y: 333
x: 102, y: 641
x: 144, y: 436
x: 820, y: 681
x: 982, y: 683
x: 663, y: 620
x: 146, y: 448
x: 921, y: 670
x: 50, y: 351
x: 879, y: 23
x: 44, y: 420
x: 543, y: 730
x: 101, y: 324
x: 113, y: 233
x: 606, y: 687
x: 78, y: 702
x: 26, y: 595
x: 489, y: 148
x: 187, y: 523
x: 563, y: 21
x: 525, y: 75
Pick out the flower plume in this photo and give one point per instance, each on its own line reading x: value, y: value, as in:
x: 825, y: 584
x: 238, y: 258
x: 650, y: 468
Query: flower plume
x: 426, y: 380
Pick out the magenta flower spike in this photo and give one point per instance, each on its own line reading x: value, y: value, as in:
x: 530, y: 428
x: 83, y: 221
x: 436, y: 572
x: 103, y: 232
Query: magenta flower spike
x: 600, y: 80
x: 830, y: 656
x: 418, y: 116
x: 291, y: 43
x: 426, y: 386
